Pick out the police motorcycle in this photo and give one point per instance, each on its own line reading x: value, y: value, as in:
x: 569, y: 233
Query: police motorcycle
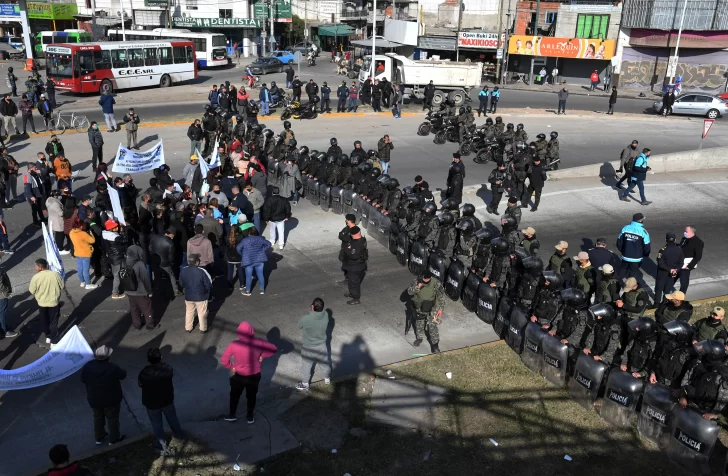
x: 296, y: 110
x: 434, y: 121
x: 449, y: 131
x: 282, y: 101
x: 311, y: 58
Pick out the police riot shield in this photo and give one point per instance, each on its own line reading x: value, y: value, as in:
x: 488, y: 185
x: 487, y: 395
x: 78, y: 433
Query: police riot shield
x: 487, y: 302
x: 325, y: 196
x: 517, y: 328
x: 588, y: 375
x: 347, y: 201
x: 470, y: 292
x: 500, y: 324
x: 418, y: 258
x: 532, y: 338
x: 403, y: 248
x: 357, y: 205
x: 373, y: 222
x: 692, y: 441
x: 454, y: 280
x: 337, y: 202
x: 313, y: 191
x: 366, y: 209
x: 555, y: 356
x: 273, y: 178
x: 657, y: 415
x: 384, y: 228
x: 621, y: 397
x: 393, y: 234
x: 437, y: 266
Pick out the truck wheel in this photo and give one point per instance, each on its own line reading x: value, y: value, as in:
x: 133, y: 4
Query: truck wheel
x: 438, y: 98
x: 457, y: 97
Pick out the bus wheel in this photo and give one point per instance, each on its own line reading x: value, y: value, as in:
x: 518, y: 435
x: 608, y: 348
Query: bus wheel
x: 106, y: 87
x: 165, y: 82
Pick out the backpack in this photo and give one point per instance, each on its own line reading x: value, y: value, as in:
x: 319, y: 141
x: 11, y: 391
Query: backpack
x: 6, y: 286
x: 629, y: 165
x: 128, y: 278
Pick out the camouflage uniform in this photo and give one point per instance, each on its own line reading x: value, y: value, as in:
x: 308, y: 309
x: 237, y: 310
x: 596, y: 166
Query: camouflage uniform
x: 541, y: 146
x: 427, y: 320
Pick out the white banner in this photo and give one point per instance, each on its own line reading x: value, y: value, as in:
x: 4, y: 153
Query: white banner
x: 52, y: 255
x: 66, y: 358
x: 204, y: 167
x: 215, y: 157
x: 116, y: 205
x: 131, y: 162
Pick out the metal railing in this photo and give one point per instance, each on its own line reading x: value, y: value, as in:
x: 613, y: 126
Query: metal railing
x: 353, y: 13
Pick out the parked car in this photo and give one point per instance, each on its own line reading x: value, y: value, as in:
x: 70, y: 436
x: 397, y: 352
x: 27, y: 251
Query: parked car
x: 696, y: 104
x: 266, y: 65
x: 285, y: 56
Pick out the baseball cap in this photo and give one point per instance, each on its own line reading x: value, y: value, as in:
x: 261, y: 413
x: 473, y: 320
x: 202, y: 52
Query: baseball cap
x: 530, y: 230
x: 561, y: 245
x: 581, y: 255
x: 601, y: 241
x: 719, y: 311
x: 670, y: 236
x: 638, y: 217
x: 629, y: 284
x: 110, y: 225
x: 607, y: 269
x: 677, y: 295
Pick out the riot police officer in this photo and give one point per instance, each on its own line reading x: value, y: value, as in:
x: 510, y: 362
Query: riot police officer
x: 355, y: 264
x: 497, y: 179
x: 509, y: 232
x: 332, y: 170
x: 529, y: 242
x: 705, y: 385
x: 334, y: 149
x: 673, y: 354
x: 552, y: 151
x: 411, y: 222
x: 520, y: 135
x: 468, y: 210
x: 499, y: 126
x: 519, y: 173
x: 608, y: 290
x: 343, y: 179
x: 541, y: 146
x: 528, y: 284
x: 482, y: 254
x: 466, y: 241
x: 669, y: 262
x: 345, y: 238
x: 508, y: 136
x: 392, y: 196
x: 498, y: 271
x: 287, y: 134
x: 488, y: 129
x: 304, y: 160
x: 358, y: 152
x: 548, y: 300
x: 603, y: 339
x: 368, y: 185
x: 446, y: 235
x: 428, y: 301
x: 513, y: 210
x: 570, y: 324
x: 239, y: 129
x: 638, y: 355
x: 711, y: 327
x: 359, y: 175
x: 429, y: 225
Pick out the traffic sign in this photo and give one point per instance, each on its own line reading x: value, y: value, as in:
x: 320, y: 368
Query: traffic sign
x: 707, y: 124
x: 499, y: 53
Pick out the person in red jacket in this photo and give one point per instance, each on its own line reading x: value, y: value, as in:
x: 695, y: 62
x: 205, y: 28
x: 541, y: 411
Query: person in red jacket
x: 594, y: 80
x: 243, y: 357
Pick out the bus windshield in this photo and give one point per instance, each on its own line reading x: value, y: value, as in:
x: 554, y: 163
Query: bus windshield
x: 60, y: 66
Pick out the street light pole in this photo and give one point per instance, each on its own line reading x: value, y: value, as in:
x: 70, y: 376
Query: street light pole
x: 271, y: 39
x: 505, y: 45
x: 460, y: 23
x: 535, y: 33
x: 123, y: 23
x: 374, y: 35
x: 673, y: 70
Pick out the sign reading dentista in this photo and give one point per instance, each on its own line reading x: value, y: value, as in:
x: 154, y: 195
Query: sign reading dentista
x: 479, y: 40
x: 561, y: 47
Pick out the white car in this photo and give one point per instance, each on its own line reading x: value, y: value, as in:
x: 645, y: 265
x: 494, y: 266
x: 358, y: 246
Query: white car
x: 696, y: 104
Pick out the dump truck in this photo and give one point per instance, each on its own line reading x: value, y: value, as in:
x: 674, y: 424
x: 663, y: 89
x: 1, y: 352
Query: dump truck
x: 452, y: 80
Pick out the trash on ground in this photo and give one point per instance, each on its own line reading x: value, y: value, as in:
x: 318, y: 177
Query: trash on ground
x: 495, y: 443
x: 567, y: 457
x: 236, y: 467
x: 333, y: 451
x: 448, y: 375
x: 389, y: 372
x: 427, y: 455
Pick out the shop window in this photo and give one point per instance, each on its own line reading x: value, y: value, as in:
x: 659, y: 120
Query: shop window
x: 226, y: 13
x: 592, y: 26
x: 550, y: 17
x: 190, y: 4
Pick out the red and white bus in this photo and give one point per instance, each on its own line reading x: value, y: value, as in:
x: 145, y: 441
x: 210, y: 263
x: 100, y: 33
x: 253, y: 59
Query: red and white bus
x: 108, y: 66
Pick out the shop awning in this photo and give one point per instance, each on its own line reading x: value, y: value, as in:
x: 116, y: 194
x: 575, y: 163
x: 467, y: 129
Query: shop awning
x: 335, y: 30
x: 378, y: 43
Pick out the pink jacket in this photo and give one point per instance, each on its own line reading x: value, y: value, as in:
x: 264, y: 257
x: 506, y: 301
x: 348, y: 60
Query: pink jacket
x: 246, y: 351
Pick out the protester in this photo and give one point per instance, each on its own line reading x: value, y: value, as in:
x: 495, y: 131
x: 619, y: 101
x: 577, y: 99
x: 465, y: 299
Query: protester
x: 315, y: 327
x: 253, y: 250
x: 46, y: 287
x: 197, y: 285
x: 107, y: 102
x: 140, y: 296
x: 277, y: 211
x: 115, y: 244
x: 103, y: 392
x: 157, y: 387
x: 83, y: 247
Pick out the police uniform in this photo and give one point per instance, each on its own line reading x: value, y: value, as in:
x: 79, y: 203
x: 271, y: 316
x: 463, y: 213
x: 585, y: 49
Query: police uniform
x: 497, y: 179
x: 546, y: 306
x: 710, y: 329
x: 355, y: 266
x: 705, y: 386
x: 669, y: 257
x: 513, y: 210
x: 599, y: 256
x: 603, y: 340
x: 608, y: 290
x: 428, y: 302
x: 552, y: 152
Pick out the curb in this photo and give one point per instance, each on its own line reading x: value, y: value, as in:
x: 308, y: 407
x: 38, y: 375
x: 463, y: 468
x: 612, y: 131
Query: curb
x: 511, y: 87
x: 422, y: 358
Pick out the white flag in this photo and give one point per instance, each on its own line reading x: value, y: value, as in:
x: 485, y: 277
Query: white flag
x: 116, y: 205
x: 52, y: 255
x: 215, y: 157
x: 204, y: 168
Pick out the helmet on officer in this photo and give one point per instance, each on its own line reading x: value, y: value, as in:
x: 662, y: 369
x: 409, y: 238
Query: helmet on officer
x: 643, y: 327
x: 509, y: 126
x: 450, y: 204
x: 554, y: 134
x: 468, y: 210
x: 303, y: 150
x: 430, y: 209
x: 519, y: 127
x: 286, y: 125
x: 541, y: 136
x: 333, y: 141
x: 499, y: 246
x: 371, y: 153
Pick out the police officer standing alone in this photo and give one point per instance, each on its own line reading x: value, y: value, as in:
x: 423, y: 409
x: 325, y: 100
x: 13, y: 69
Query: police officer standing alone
x: 355, y: 264
x: 634, y: 244
x: 692, y: 248
x: 455, y: 179
x: 536, y: 178
x: 345, y: 237
x: 669, y: 262
x: 428, y: 300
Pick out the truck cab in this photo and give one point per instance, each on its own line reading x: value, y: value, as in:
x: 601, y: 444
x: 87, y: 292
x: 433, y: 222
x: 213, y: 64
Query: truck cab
x: 383, y: 68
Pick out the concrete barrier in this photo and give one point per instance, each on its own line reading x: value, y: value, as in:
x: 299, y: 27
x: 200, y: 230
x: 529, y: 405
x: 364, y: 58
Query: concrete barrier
x: 713, y: 158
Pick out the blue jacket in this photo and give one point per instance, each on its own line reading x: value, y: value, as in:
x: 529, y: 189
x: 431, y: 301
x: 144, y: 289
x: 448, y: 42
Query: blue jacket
x: 214, y: 97
x: 253, y: 250
x: 107, y: 102
x: 483, y: 95
x: 639, y: 171
x: 196, y: 282
x: 495, y: 95
x: 264, y: 95
x: 325, y: 92
x: 634, y: 242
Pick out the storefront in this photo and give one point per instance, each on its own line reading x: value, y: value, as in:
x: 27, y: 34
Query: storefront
x: 479, y: 47
x: 435, y: 46
x: 240, y: 32
x: 51, y: 16
x: 575, y: 58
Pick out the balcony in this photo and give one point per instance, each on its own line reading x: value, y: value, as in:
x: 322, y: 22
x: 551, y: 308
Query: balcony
x: 353, y: 14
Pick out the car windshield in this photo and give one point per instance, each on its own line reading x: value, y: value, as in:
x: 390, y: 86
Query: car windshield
x: 59, y: 66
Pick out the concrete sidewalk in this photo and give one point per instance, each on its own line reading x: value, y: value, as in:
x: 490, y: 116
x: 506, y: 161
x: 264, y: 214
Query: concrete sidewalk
x: 580, y: 90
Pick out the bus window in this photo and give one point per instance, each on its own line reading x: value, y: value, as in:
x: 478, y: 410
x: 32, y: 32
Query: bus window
x: 119, y: 59
x: 165, y: 55
x: 85, y: 62
x: 102, y: 59
x: 47, y: 40
x: 199, y: 44
x: 136, y: 57
x: 59, y: 66
x: 190, y: 54
x: 150, y: 57
x: 180, y: 56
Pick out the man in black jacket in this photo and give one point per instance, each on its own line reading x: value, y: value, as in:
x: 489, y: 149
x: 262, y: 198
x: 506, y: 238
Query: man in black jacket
x: 277, y: 211
x: 103, y: 392
x: 157, y: 387
x: 289, y: 76
x: 140, y: 299
x: 692, y: 248
x: 429, y: 94
x: 97, y: 144
x: 194, y: 133
x: 536, y: 179
x: 342, y: 94
x: 355, y: 264
x: 8, y: 110
x: 162, y: 255
x: 115, y: 245
x: 312, y: 90
x: 297, y: 85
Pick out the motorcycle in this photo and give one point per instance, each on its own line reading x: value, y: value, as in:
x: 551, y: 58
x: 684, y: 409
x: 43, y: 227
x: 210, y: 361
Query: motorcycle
x: 489, y: 153
x: 296, y: 110
x: 251, y: 82
x: 281, y: 101
x: 353, y: 72
x: 311, y: 60
x: 449, y: 133
x: 472, y: 140
x: 433, y: 123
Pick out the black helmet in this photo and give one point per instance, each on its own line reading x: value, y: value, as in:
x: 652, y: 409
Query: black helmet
x: 554, y: 134
x: 292, y: 143
x: 643, y: 327
x: 520, y: 145
x: 331, y: 158
x: 371, y: 153
x: 446, y: 219
x: 393, y: 184
x: 541, y: 137
x: 413, y: 200
x: 521, y: 253
x: 553, y: 278
x: 313, y: 153
x: 383, y: 178
x: 357, y: 142
x: 711, y: 351
x: 468, y: 109
x: 499, y: 246
x: 466, y: 225
x: 499, y: 120
x: 484, y: 235
x: 257, y: 129
x: 603, y: 312
x: 238, y: 118
x: 208, y: 108
x: 375, y: 173
x: 286, y: 125
x: 303, y: 150
x: 321, y: 156
x: 333, y: 141
x: 508, y: 220
x: 430, y: 209
x: 462, y: 110
x: 534, y: 265
x: 489, y: 121
x: 355, y: 160
x: 450, y: 204
x: 509, y: 126
x: 682, y: 331
x: 343, y: 157
x: 574, y: 298
x: 519, y: 127
x: 365, y: 167
x: 468, y: 210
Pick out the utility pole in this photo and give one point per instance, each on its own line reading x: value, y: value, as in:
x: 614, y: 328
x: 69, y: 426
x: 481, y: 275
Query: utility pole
x: 460, y: 23
x: 23, y: 7
x: 305, y: 20
x: 93, y: 19
x: 535, y: 33
x: 505, y: 45
x: 272, y: 39
x: 169, y: 13
x: 673, y: 70
x: 123, y: 23
x: 507, y: 30
x: 374, y: 35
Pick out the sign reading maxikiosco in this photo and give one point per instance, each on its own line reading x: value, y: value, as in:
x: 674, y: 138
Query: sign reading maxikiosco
x: 187, y: 22
x: 479, y: 40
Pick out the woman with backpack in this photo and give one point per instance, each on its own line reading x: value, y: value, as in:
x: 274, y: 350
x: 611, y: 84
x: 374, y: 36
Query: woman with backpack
x: 83, y: 247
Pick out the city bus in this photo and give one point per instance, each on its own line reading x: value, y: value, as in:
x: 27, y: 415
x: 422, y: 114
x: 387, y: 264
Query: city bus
x: 44, y: 38
x: 210, y: 48
x: 108, y: 66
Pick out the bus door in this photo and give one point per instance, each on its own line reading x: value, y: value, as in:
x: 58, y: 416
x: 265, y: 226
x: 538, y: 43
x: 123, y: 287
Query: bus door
x: 86, y: 72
